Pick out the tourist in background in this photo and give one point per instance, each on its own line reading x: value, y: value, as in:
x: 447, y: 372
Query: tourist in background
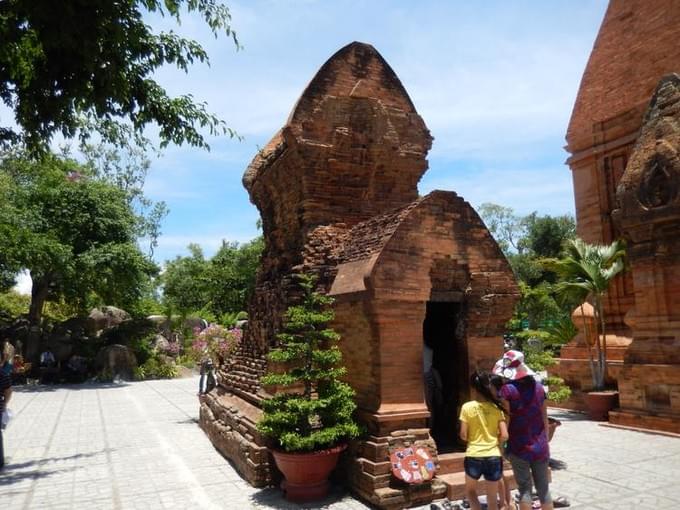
x: 524, y: 400
x: 47, y: 358
x: 5, y: 395
x: 483, y: 427
x: 7, y: 357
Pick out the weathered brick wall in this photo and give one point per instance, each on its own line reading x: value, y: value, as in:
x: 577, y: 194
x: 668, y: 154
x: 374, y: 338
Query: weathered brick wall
x: 635, y: 47
x: 649, y: 216
x: 337, y: 192
x: 436, y: 245
x: 637, y: 44
x: 354, y: 147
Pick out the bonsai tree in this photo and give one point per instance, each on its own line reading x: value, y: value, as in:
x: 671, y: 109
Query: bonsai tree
x: 586, y: 272
x: 314, y: 410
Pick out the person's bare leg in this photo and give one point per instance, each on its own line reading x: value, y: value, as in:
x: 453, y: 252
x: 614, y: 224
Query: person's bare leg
x: 505, y: 495
x: 471, y: 493
x: 492, y: 495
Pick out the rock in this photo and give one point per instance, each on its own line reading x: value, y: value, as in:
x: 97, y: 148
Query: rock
x: 161, y: 343
x: 192, y: 323
x: 117, y: 360
x: 106, y: 317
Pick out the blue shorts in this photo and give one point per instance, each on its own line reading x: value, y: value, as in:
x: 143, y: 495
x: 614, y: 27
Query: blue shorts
x: 490, y: 467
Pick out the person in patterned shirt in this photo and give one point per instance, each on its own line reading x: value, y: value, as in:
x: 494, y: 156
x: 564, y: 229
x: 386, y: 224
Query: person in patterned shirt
x: 5, y: 395
x: 528, y: 451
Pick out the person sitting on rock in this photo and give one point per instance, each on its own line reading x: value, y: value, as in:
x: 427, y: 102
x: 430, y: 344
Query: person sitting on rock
x: 47, y: 358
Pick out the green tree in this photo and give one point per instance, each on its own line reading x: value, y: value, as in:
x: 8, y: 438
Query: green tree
x: 185, y: 282
x: 317, y: 410
x: 71, y: 66
x: 546, y: 236
x: 231, y: 274
x: 75, y: 234
x: 215, y: 287
x: 537, y: 305
x: 506, y: 227
x: 586, y: 272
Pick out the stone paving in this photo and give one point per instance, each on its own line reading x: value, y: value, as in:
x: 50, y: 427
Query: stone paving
x: 137, y: 446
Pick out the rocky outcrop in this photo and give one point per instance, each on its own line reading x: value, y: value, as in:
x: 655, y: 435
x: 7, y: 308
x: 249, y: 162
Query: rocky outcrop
x: 116, y: 360
x: 106, y: 317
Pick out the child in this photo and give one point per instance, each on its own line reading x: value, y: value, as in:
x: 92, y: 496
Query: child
x: 504, y: 494
x: 483, y: 427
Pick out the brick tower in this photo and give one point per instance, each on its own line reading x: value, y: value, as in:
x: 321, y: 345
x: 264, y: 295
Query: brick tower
x: 337, y: 191
x: 636, y: 46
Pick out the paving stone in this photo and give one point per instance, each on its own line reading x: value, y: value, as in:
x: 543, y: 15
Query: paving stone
x: 137, y: 446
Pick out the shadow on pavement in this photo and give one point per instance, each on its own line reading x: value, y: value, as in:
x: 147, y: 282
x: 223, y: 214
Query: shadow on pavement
x: 14, y: 472
x: 566, y: 415
x: 272, y: 497
x: 42, y: 388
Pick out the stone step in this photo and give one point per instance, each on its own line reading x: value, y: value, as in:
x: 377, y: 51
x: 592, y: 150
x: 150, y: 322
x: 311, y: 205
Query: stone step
x: 455, y: 484
x: 451, y: 463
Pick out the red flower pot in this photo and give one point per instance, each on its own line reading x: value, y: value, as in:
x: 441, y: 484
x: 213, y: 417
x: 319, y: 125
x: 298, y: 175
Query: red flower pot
x: 306, y: 473
x: 600, y: 403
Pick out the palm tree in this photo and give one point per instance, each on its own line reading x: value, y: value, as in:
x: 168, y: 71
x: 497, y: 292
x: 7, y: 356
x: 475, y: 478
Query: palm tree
x: 585, y: 271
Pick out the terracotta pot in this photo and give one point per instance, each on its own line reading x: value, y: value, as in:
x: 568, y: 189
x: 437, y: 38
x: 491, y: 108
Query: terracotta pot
x: 600, y: 403
x: 306, y: 473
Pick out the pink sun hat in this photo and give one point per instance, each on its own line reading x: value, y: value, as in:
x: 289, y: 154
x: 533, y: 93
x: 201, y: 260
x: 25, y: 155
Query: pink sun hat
x: 512, y: 366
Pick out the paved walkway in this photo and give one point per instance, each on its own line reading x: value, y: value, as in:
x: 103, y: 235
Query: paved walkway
x: 137, y: 446
x: 609, y: 468
x: 122, y: 446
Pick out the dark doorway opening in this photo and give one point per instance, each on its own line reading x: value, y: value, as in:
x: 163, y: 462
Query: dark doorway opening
x: 445, y: 371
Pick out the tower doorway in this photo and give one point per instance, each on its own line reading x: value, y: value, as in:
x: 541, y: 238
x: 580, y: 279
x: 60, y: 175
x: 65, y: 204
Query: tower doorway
x: 445, y: 366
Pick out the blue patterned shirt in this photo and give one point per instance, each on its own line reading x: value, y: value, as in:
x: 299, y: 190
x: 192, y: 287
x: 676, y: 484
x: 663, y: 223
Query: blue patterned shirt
x: 528, y: 439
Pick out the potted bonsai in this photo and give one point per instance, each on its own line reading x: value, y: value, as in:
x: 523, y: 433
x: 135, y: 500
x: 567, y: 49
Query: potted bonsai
x: 309, y: 418
x: 586, y: 272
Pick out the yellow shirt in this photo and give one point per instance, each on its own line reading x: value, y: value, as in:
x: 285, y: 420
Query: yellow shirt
x: 482, y: 420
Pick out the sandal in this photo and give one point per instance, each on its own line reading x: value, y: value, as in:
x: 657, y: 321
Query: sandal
x: 561, y: 502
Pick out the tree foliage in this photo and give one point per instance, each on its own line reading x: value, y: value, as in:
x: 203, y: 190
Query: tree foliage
x: 218, y: 286
x: 507, y: 228
x: 74, y: 233
x: 586, y: 272
x: 231, y: 275
x: 316, y: 411
x: 526, y: 241
x: 70, y: 66
x: 185, y: 285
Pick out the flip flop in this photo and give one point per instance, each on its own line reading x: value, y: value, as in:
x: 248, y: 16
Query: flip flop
x: 561, y: 502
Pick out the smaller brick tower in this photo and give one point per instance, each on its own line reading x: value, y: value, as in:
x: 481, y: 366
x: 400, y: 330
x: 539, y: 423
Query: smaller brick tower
x: 337, y: 190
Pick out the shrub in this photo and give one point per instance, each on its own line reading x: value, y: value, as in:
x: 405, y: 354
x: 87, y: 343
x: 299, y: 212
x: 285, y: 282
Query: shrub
x: 315, y: 411
x: 217, y: 341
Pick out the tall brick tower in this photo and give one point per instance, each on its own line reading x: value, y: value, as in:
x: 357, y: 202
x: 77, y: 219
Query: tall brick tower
x: 636, y: 46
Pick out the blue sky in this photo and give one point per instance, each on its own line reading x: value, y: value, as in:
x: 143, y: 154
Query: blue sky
x: 495, y: 82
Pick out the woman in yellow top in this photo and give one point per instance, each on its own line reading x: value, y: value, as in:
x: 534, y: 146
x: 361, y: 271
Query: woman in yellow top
x: 483, y: 427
